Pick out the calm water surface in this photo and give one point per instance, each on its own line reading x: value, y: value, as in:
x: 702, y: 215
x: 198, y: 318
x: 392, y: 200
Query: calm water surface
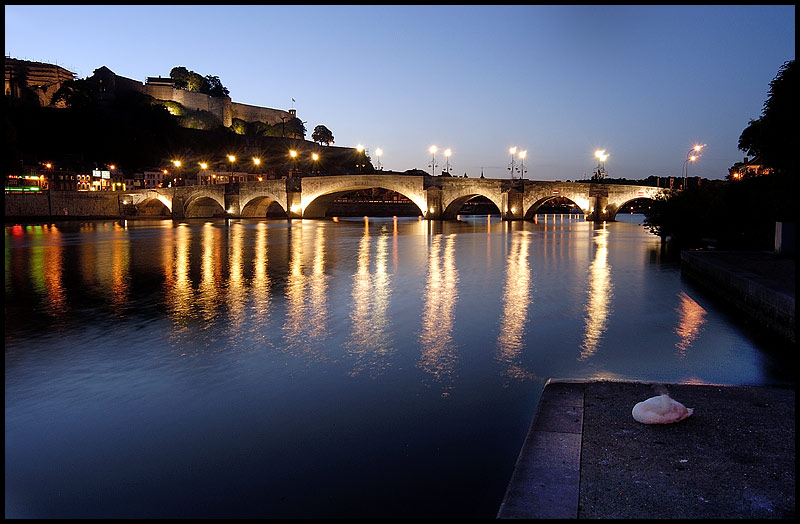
x: 350, y: 368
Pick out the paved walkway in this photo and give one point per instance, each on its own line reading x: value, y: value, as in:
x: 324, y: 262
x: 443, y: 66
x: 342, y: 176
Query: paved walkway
x: 586, y: 457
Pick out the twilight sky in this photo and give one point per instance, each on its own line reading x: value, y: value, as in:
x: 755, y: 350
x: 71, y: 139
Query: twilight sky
x: 645, y: 83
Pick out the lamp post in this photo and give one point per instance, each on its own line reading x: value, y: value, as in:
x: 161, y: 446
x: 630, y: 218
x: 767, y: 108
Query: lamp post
x: 231, y: 159
x: 691, y: 158
x: 257, y: 163
x: 203, y: 167
x: 601, y: 156
x: 177, y: 164
x: 433, y: 164
x: 447, y: 154
x: 513, y: 151
x: 315, y: 158
x: 522, y: 155
x: 378, y: 153
x: 360, y: 161
x: 293, y: 155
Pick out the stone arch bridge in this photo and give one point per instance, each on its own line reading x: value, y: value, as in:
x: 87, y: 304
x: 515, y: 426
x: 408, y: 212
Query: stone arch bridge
x: 438, y: 198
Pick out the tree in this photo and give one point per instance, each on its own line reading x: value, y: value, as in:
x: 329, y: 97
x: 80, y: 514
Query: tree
x: 295, y: 128
x: 77, y: 94
x: 322, y: 135
x: 213, y: 86
x: 196, y: 83
x: 773, y: 138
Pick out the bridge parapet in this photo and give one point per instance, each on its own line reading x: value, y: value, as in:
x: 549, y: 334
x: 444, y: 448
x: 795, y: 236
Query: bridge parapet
x: 437, y: 197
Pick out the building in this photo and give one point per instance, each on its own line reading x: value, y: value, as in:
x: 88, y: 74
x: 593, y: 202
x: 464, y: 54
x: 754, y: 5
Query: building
x: 747, y: 169
x: 34, y: 80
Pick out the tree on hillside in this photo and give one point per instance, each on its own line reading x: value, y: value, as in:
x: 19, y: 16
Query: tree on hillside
x: 213, y: 86
x: 322, y: 135
x: 295, y: 128
x: 77, y: 94
x: 196, y: 83
x: 774, y: 138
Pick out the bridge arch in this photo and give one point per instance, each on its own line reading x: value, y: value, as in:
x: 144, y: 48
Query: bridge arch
x: 260, y: 205
x: 319, y: 192
x: 533, y: 208
x: 153, y: 206
x: 317, y: 207
x: 452, y: 207
x: 203, y: 206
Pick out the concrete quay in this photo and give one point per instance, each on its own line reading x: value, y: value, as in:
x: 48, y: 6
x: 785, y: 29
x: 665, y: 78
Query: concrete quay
x: 586, y: 457
x: 760, y: 286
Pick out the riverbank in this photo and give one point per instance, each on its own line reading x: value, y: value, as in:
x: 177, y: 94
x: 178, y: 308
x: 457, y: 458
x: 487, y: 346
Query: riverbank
x: 586, y: 457
x: 758, y: 286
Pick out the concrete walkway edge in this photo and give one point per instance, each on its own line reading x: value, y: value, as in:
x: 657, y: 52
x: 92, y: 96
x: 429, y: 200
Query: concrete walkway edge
x: 546, y: 478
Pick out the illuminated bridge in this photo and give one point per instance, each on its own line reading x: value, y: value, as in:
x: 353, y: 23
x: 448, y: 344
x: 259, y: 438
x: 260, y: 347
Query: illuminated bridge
x: 438, y: 198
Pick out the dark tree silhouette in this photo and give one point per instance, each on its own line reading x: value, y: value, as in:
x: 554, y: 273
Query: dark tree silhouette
x: 322, y: 135
x: 773, y: 138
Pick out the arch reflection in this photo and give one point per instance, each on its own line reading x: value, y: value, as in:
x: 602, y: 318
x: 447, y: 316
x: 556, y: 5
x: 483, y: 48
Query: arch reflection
x: 306, y: 316
x: 441, y: 293
x: 598, y: 307
x: 516, y: 299
x: 210, y: 268
x: 236, y: 290
x: 178, y: 264
x: 370, y: 342
x: 261, y: 284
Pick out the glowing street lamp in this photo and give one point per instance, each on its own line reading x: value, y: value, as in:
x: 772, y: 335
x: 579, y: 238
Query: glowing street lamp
x: 293, y: 154
x: 177, y: 164
x: 315, y: 158
x: 447, y: 154
x: 360, y: 161
x: 512, y: 151
x: 522, y: 155
x: 203, y: 167
x: 432, y: 150
x: 232, y: 160
x: 601, y: 156
x: 692, y: 155
x: 378, y: 153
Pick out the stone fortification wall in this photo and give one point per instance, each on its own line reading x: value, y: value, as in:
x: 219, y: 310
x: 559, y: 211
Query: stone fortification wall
x: 250, y: 113
x: 221, y: 107
x: 63, y: 204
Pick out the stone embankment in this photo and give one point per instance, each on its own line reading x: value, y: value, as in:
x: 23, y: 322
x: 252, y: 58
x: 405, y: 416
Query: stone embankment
x: 760, y: 286
x: 63, y: 204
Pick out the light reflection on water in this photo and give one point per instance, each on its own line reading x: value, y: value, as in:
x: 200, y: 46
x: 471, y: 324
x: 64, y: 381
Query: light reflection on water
x: 290, y: 368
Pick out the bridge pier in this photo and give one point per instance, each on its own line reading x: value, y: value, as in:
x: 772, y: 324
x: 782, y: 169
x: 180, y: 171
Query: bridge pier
x: 232, y: 208
x: 433, y: 204
x: 512, y: 205
x: 294, y: 204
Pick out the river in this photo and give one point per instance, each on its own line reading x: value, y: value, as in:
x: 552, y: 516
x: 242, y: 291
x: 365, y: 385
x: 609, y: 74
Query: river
x: 354, y: 367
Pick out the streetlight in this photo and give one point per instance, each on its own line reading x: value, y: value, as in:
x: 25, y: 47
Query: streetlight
x: 513, y: 151
x: 447, y: 154
x: 691, y: 158
x: 257, y: 162
x: 203, y: 166
x: 522, y: 155
x: 293, y: 154
x: 601, y: 156
x: 315, y: 158
x: 378, y: 153
x: 177, y: 164
x: 231, y: 159
x: 360, y: 164
x: 433, y: 165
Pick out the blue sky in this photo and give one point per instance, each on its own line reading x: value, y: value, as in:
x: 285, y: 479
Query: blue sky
x: 645, y: 83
